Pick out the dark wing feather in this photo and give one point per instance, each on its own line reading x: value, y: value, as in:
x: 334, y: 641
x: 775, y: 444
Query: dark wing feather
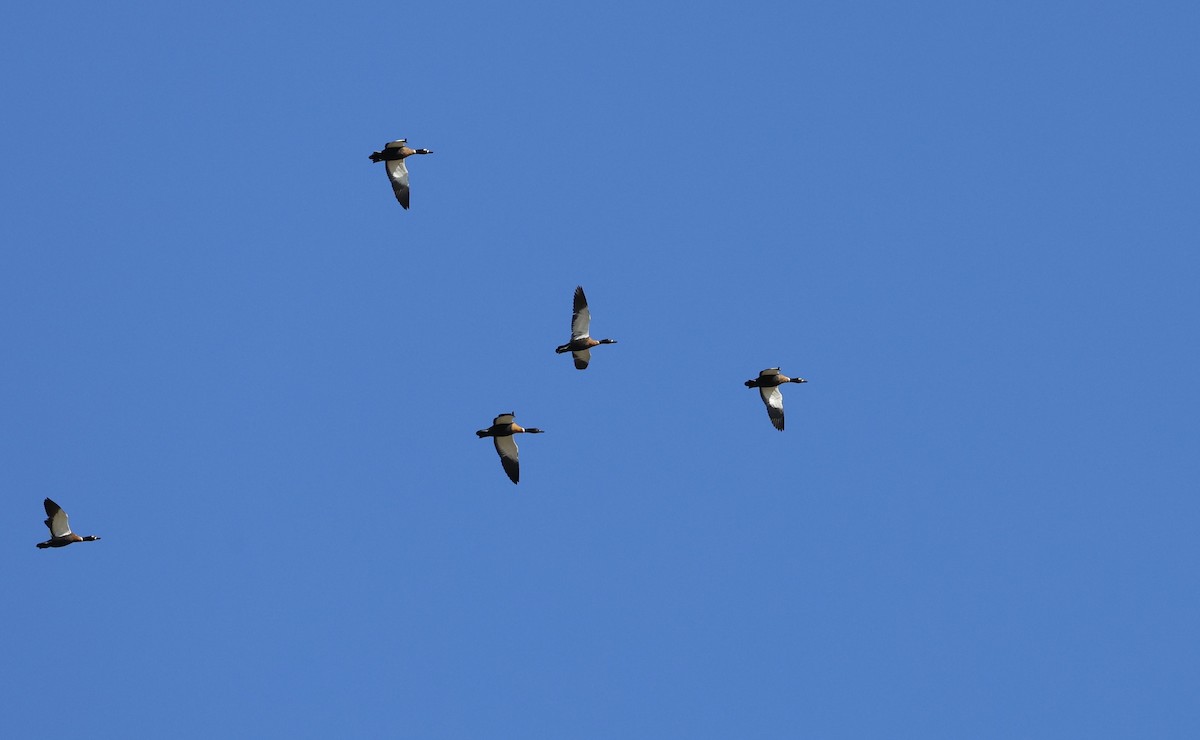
x: 506, y: 447
x: 398, y: 174
x: 581, y: 317
x: 773, y: 400
x: 56, y: 519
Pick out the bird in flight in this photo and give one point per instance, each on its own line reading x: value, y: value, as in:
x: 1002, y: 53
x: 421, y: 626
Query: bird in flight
x: 60, y: 529
x: 501, y: 431
x: 767, y: 383
x: 581, y: 342
x: 393, y: 155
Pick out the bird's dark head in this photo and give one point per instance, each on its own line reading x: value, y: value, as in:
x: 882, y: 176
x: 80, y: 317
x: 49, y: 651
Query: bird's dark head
x: 608, y: 341
x: 422, y: 151
x: 90, y: 538
x: 799, y: 380
x: 534, y: 430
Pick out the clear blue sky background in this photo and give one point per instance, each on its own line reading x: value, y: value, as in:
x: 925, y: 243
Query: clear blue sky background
x: 229, y: 352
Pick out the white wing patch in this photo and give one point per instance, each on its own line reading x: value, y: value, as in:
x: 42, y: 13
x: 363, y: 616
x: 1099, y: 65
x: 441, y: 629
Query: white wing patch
x: 774, y: 401
x: 772, y: 397
x: 397, y: 172
x: 507, y: 447
x: 581, y: 323
x: 59, y: 526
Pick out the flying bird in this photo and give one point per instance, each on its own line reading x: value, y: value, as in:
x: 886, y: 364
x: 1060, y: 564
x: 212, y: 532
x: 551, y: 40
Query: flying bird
x: 393, y: 155
x: 767, y: 383
x: 501, y: 431
x: 60, y: 530
x: 581, y: 342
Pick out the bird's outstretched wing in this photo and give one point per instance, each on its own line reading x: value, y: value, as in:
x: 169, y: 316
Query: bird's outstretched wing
x: 56, y: 519
x: 581, y: 317
x: 398, y: 174
x: 774, y: 402
x: 506, y: 447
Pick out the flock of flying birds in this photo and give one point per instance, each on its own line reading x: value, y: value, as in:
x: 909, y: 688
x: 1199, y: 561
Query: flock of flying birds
x: 503, y: 426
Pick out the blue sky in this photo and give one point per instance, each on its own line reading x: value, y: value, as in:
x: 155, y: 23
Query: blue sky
x: 231, y: 354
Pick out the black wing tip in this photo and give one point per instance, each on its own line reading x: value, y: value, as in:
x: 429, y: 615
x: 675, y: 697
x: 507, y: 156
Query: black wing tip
x: 512, y: 468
